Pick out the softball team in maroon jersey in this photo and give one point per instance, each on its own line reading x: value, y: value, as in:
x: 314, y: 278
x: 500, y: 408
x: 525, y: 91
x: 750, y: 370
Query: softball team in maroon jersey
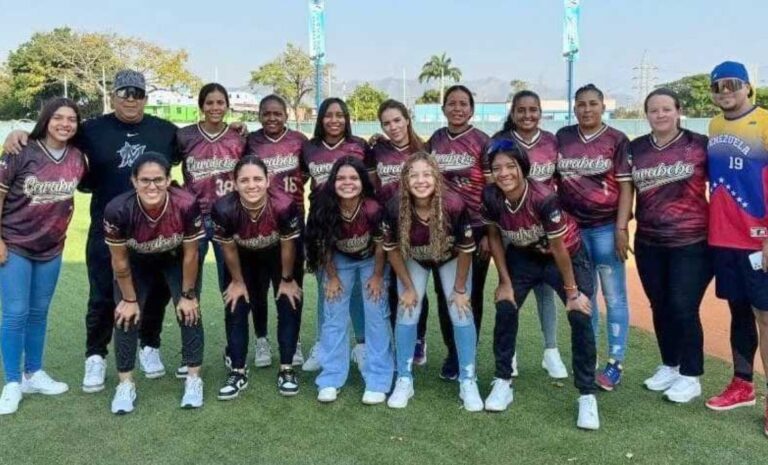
x: 459, y: 148
x: 279, y: 147
x: 522, y: 127
x: 669, y: 172
x: 37, y: 187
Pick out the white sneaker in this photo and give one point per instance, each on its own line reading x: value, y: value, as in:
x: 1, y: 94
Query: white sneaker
x: 262, y: 353
x: 500, y: 397
x: 182, y: 371
x: 514, y: 366
x: 469, y: 393
x: 684, y: 389
x: 327, y: 394
x: 10, y: 398
x: 554, y: 364
x: 150, y: 363
x: 373, y: 397
x: 41, y: 383
x: 358, y: 356
x: 125, y: 398
x: 401, y: 394
x: 313, y: 362
x: 193, y: 392
x: 298, y: 356
x: 95, y: 371
x: 588, y: 416
x: 663, y: 378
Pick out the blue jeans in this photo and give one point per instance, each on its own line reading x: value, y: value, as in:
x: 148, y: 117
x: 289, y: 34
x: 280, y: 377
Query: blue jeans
x: 356, y: 312
x: 26, y: 290
x: 463, y: 326
x: 600, y: 244
x: 545, y: 305
x: 334, y: 344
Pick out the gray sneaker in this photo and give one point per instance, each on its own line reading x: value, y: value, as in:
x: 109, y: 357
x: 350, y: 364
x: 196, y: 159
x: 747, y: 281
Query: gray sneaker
x: 125, y: 398
x: 193, y: 393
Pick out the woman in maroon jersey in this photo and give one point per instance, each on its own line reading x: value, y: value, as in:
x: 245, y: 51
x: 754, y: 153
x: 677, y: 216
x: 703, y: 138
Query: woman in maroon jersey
x: 344, y: 241
x: 209, y: 150
x: 594, y: 182
x: 427, y: 231
x: 522, y: 127
x: 36, y: 202
x: 459, y: 149
x: 543, y: 246
x: 333, y: 140
x: 389, y: 155
x: 153, y: 233
x: 669, y: 172
x: 279, y: 147
x: 259, y: 234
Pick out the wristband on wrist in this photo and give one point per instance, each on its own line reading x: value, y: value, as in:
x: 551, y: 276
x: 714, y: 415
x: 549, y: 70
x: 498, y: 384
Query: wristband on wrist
x: 286, y: 279
x: 458, y: 291
x: 571, y: 288
x: 129, y: 301
x: 578, y: 294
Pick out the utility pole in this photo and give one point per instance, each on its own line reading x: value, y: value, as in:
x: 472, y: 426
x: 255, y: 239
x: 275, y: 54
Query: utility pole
x: 644, y: 80
x: 405, y: 96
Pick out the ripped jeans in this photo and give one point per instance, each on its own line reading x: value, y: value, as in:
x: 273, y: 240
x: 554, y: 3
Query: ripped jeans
x: 600, y: 244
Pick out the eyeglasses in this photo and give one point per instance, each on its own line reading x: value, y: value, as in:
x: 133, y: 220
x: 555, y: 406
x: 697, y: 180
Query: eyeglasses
x: 731, y: 84
x: 130, y: 92
x: 145, y: 182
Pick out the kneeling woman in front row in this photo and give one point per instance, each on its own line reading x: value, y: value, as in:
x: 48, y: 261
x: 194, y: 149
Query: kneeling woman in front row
x: 428, y: 228
x: 153, y: 235
x: 543, y: 246
x: 344, y: 243
x: 259, y: 233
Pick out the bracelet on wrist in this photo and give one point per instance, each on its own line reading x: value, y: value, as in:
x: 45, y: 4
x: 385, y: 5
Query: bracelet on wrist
x: 286, y: 279
x: 571, y: 288
x: 578, y: 294
x: 129, y: 301
x: 458, y: 291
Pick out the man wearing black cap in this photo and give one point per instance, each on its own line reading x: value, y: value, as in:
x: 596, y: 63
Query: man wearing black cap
x: 738, y: 224
x: 113, y: 142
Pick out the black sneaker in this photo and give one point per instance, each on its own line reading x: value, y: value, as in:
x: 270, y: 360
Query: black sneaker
x: 287, y: 382
x: 450, y: 369
x: 235, y: 383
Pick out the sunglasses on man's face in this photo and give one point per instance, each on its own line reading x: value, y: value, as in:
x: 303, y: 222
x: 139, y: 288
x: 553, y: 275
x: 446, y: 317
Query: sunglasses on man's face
x: 731, y: 85
x: 130, y: 92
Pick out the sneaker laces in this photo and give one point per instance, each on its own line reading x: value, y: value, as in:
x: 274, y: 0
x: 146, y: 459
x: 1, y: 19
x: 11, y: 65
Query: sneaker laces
x: 123, y: 391
x: 402, y: 384
x: 194, y: 385
x: 92, y: 367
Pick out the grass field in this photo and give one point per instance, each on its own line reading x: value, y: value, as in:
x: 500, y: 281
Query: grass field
x: 261, y: 427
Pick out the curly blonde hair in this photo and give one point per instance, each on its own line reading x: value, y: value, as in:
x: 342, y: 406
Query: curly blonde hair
x: 438, y: 239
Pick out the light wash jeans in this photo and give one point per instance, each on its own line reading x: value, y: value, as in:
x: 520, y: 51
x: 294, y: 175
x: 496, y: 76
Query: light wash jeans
x: 26, y: 290
x: 547, y: 309
x: 334, y: 343
x: 600, y: 244
x: 463, y: 326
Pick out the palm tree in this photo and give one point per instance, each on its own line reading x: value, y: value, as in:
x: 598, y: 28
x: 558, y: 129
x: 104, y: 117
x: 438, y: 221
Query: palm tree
x: 439, y: 67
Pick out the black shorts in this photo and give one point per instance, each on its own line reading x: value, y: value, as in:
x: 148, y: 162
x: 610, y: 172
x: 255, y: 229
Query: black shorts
x: 735, y: 279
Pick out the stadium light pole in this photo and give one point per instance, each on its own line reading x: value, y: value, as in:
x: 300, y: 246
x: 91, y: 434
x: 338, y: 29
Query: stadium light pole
x: 317, y: 45
x: 571, y: 46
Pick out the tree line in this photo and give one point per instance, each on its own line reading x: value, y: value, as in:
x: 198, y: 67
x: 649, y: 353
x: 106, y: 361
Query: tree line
x: 82, y: 64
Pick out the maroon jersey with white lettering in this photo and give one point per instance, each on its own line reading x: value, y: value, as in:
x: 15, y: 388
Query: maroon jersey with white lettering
x: 208, y: 162
x: 39, y: 201
x: 462, y: 161
x: 127, y: 223
x: 542, y: 153
x: 389, y: 160
x: 360, y: 234
x: 458, y: 231
x: 283, y: 159
x: 671, y: 185
x: 279, y: 220
x: 589, y: 170
x: 535, y: 220
x: 318, y: 158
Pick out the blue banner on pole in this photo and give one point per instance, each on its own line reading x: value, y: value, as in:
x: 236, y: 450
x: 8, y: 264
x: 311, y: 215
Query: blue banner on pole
x: 571, y: 29
x: 317, y: 29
